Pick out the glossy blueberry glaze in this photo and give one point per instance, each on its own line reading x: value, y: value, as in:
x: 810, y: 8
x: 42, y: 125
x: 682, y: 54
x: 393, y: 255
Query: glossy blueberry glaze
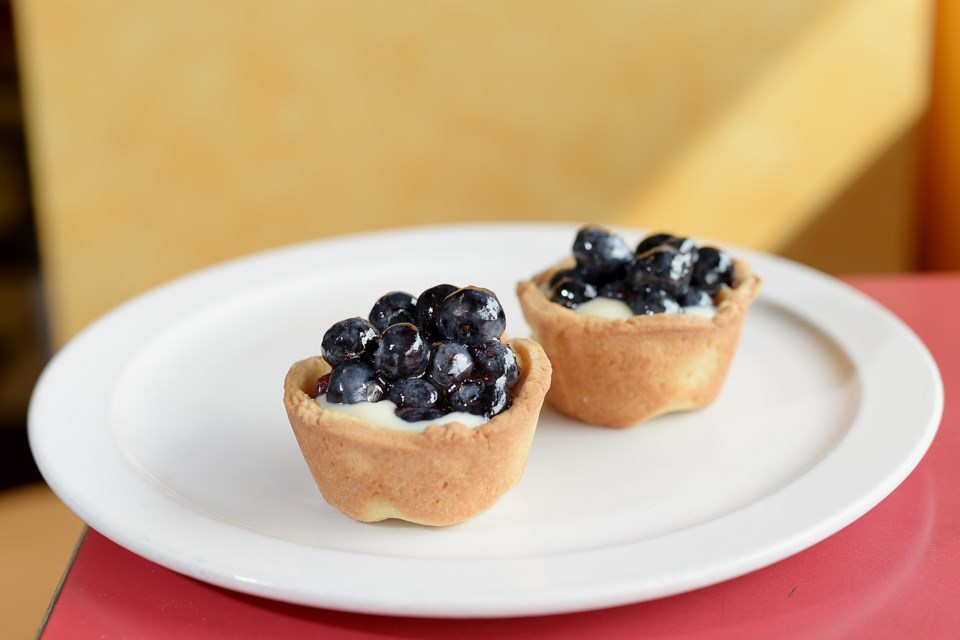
x: 354, y: 381
x: 713, y: 269
x: 348, y: 339
x: 497, y: 360
x: 393, y: 308
x: 599, y: 252
x: 403, y: 352
x: 662, y: 268
x: 450, y: 363
x: 572, y: 290
x: 428, y: 304
x: 429, y: 355
x: 471, y: 315
x: 648, y: 301
x: 664, y: 274
x: 479, y: 396
x: 415, y: 392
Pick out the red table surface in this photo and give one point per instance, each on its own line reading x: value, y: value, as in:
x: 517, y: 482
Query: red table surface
x: 894, y: 573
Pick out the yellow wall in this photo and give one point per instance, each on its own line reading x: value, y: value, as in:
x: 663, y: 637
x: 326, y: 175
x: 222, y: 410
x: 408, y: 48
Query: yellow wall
x: 166, y: 136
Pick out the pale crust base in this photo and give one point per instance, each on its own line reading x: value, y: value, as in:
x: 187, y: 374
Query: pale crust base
x: 443, y: 476
x: 617, y: 373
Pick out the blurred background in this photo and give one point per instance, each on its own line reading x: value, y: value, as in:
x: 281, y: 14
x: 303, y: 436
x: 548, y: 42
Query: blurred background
x: 141, y: 141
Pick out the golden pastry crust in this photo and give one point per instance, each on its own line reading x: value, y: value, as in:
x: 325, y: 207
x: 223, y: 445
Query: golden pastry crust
x: 442, y: 476
x: 616, y: 373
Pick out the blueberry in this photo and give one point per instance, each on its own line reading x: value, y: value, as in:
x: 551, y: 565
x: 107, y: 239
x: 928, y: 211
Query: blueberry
x: 416, y: 414
x: 403, y: 352
x: 428, y: 304
x: 713, y: 269
x: 695, y: 297
x: 450, y: 363
x: 348, y: 340
x: 576, y: 273
x: 599, y: 251
x: 391, y: 308
x: 648, y: 301
x: 471, y: 315
x: 414, y: 392
x: 466, y: 396
x: 497, y: 397
x: 681, y: 244
x: 616, y: 290
x: 572, y: 292
x: 684, y: 245
x: 652, y: 241
x: 662, y: 268
x: 479, y: 397
x: 498, y: 360
x: 353, y: 382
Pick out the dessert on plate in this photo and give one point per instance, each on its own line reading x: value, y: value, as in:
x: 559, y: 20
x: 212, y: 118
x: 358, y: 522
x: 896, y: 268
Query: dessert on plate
x: 636, y: 333
x: 421, y: 411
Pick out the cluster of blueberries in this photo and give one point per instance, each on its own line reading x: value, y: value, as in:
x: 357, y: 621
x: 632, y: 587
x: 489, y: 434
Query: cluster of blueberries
x: 664, y: 274
x: 441, y: 351
x: 430, y: 355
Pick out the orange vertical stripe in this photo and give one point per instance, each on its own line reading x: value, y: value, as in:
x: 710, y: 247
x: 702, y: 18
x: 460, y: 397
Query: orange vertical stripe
x: 940, y: 196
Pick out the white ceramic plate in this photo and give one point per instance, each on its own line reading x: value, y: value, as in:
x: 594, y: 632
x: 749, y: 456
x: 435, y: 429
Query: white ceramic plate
x: 162, y: 426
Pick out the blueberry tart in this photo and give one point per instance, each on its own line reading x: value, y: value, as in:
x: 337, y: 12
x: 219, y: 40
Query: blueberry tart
x: 634, y: 333
x: 420, y: 411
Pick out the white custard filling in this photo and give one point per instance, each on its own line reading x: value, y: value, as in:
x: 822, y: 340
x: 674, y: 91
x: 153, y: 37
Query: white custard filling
x: 382, y: 414
x: 706, y: 312
x: 604, y: 308
x: 612, y: 309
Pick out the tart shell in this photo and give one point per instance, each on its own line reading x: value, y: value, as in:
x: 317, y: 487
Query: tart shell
x: 617, y: 373
x: 441, y: 476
